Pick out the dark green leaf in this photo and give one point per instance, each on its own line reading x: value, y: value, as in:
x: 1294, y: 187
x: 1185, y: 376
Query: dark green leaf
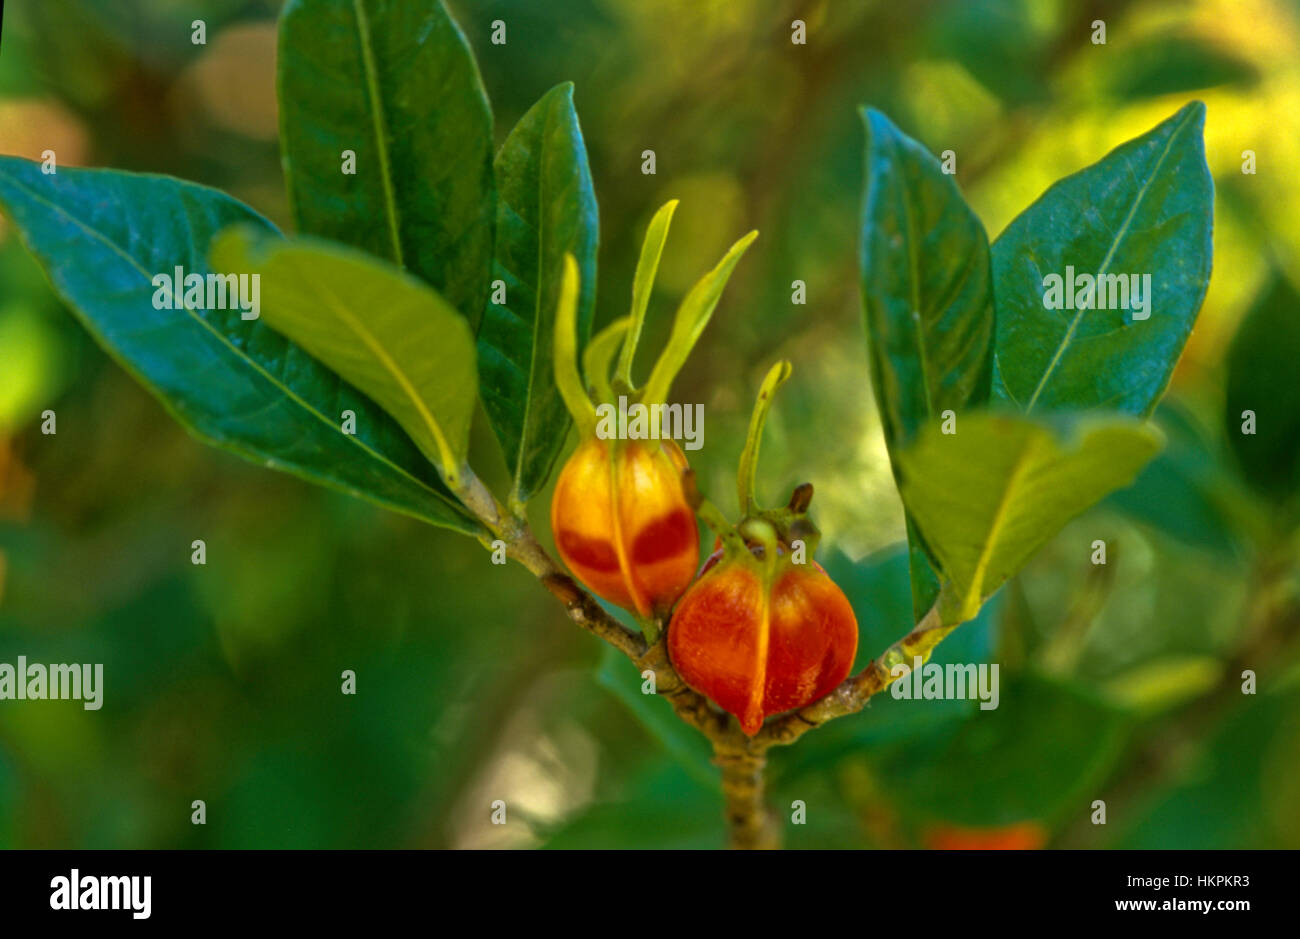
x: 924, y: 579
x: 103, y: 236
x: 1187, y: 491
x: 927, y: 294
x: 987, y: 497
x: 1262, y: 366
x: 1172, y: 64
x: 1004, y: 44
x: 1034, y: 757
x: 547, y: 208
x: 396, y: 84
x: 927, y: 300
x: 1145, y: 209
x: 387, y: 333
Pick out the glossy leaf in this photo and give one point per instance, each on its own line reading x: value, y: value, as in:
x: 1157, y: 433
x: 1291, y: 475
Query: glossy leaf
x: 384, y: 331
x: 103, y: 236
x: 396, y: 85
x: 987, y: 497
x: 927, y: 301
x: 922, y: 570
x: 927, y: 292
x: 547, y: 208
x: 1262, y: 379
x: 1145, y: 209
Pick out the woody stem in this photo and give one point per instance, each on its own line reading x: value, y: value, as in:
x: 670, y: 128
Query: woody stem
x: 750, y: 825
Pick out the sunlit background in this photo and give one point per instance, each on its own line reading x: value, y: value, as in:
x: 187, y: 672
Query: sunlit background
x: 1119, y: 683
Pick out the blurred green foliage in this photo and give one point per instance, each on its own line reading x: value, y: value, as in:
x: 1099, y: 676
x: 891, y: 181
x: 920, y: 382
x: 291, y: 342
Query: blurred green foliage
x: 222, y: 681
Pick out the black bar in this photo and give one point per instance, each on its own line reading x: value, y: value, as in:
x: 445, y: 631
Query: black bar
x: 875, y: 889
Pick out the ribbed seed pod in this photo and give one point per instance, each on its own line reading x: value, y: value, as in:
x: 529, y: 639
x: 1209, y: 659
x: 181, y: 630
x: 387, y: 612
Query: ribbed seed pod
x: 761, y: 642
x: 622, y: 524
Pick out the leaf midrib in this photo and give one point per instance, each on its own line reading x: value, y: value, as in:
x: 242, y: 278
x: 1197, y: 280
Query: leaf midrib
x: 381, y: 354
x: 235, y: 350
x: 380, y: 128
x: 1105, y: 263
x: 996, y: 525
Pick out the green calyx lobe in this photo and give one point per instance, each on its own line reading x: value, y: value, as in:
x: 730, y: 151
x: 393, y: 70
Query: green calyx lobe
x: 789, y: 524
x: 615, y: 346
x: 779, y: 532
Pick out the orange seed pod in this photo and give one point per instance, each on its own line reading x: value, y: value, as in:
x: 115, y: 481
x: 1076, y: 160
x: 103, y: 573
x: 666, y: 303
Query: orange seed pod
x: 761, y: 641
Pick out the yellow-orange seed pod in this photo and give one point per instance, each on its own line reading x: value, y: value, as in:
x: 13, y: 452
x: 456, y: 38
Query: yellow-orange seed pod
x: 622, y: 523
x: 620, y: 516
